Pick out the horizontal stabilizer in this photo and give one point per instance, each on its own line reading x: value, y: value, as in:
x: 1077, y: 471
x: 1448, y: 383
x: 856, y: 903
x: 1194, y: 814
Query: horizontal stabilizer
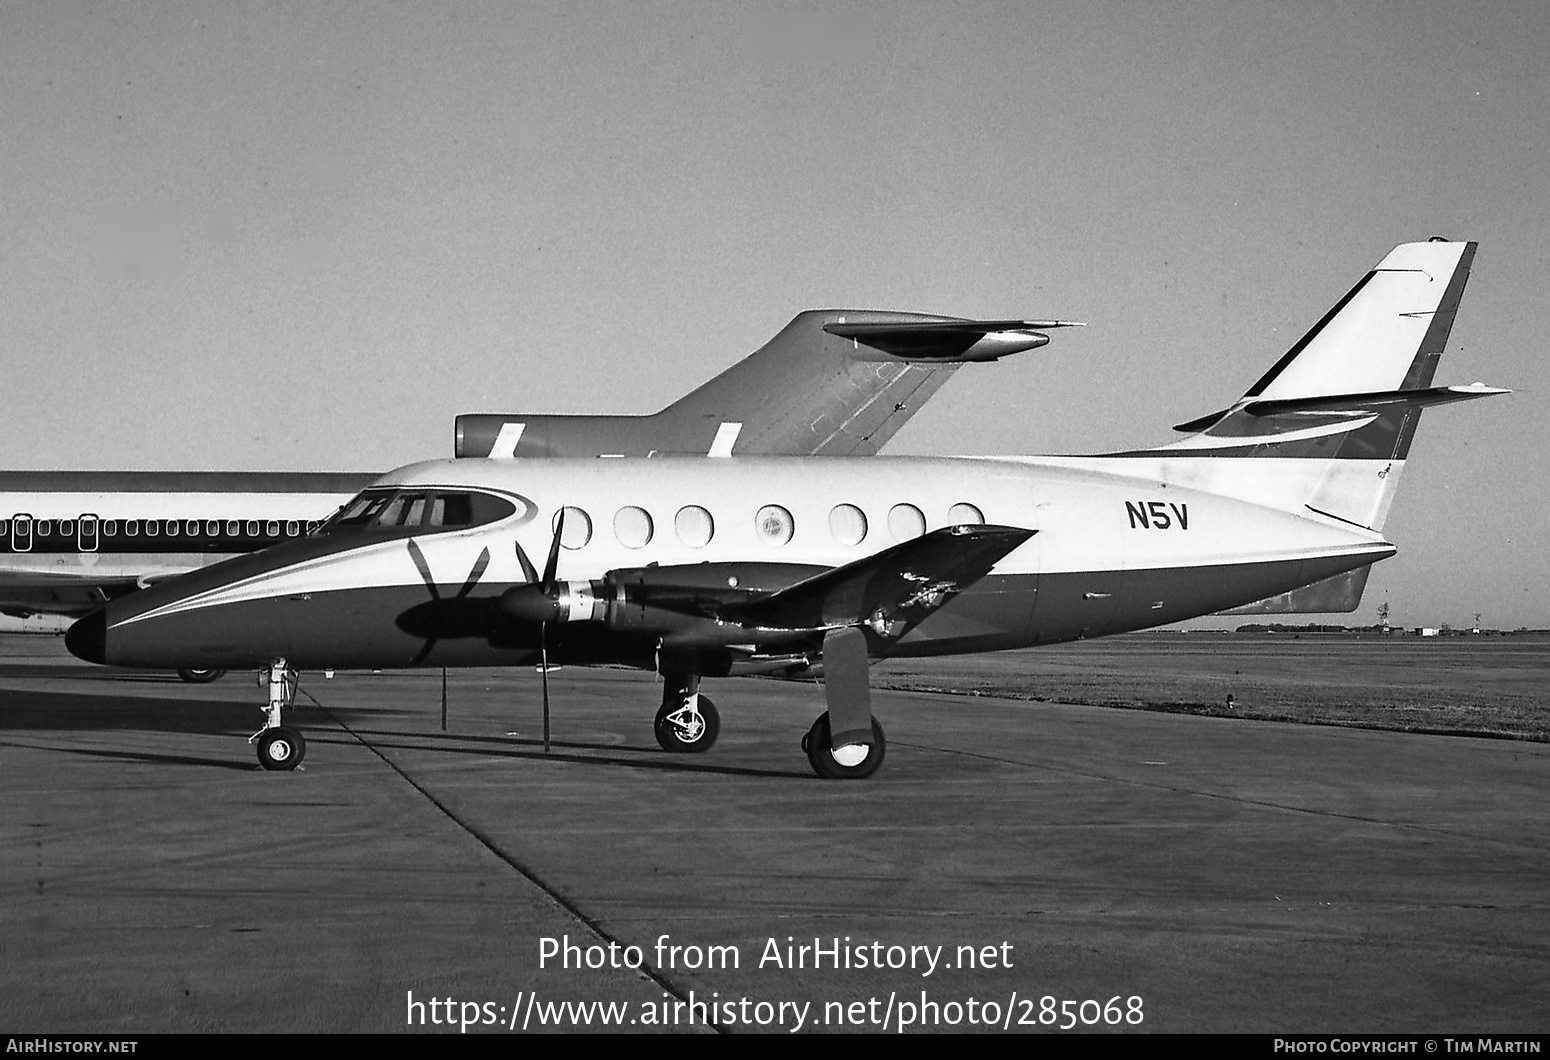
x: 1349, y: 405
x: 950, y: 340
x: 891, y: 591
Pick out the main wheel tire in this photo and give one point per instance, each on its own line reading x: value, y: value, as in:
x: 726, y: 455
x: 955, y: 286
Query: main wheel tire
x: 677, y: 731
x: 196, y: 676
x: 822, y: 758
x: 281, y: 748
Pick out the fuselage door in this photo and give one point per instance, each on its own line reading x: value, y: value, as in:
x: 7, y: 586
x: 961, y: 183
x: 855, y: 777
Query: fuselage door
x: 86, y: 533
x: 21, y: 532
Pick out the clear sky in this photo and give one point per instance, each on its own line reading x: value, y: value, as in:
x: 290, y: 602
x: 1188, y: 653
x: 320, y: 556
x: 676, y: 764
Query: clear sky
x: 305, y: 236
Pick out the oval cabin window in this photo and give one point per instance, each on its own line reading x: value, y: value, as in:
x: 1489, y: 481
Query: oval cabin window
x: 847, y: 524
x: 632, y: 526
x: 774, y: 525
x: 905, y: 522
x: 694, y: 526
x: 578, y: 528
x: 965, y: 514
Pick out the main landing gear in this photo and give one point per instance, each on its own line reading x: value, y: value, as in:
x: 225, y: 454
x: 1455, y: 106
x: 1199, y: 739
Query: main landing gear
x: 279, y: 747
x: 845, y: 743
x: 852, y: 761
x: 687, y: 721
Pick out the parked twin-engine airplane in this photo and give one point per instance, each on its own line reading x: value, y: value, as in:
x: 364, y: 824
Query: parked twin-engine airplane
x: 832, y: 382
x: 700, y: 568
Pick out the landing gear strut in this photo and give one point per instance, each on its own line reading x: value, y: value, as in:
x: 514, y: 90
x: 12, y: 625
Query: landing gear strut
x: 687, y: 721
x: 279, y: 747
x: 846, y: 742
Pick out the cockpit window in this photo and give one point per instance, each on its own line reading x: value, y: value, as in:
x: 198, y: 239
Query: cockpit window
x: 389, y: 509
x: 393, y: 514
x: 362, y: 511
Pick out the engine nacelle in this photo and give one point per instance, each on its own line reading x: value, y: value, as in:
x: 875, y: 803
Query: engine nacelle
x: 568, y: 602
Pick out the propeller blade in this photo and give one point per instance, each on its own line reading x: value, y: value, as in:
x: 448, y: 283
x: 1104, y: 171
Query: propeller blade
x: 528, y: 570
x: 554, y: 553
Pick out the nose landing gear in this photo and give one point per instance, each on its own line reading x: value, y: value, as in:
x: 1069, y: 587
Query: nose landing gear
x: 687, y: 721
x: 279, y: 747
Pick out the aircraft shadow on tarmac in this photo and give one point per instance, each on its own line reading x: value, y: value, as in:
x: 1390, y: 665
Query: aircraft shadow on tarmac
x: 37, y: 711
x: 561, y: 751
x: 149, y: 758
x: 42, y: 712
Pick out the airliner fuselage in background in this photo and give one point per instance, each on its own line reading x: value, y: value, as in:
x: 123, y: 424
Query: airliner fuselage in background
x: 70, y: 539
x: 832, y: 382
x: 697, y: 567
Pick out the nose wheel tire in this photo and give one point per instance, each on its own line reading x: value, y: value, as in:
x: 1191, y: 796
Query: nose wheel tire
x: 201, y: 676
x: 853, y: 762
x: 684, y: 730
x: 281, y: 748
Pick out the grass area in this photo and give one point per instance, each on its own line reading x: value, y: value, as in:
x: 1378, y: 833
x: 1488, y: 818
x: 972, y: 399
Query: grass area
x: 1466, y: 686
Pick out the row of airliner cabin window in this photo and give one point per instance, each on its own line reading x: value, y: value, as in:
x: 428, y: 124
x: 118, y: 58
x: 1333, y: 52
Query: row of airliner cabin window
x: 633, y: 526
x: 89, y: 533
x: 388, y: 509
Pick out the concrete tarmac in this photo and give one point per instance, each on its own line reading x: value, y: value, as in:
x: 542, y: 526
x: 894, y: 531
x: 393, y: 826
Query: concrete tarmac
x: 1159, y: 872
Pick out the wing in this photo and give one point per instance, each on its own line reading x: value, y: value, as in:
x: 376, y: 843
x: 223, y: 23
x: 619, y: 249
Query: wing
x: 890, y: 591
x: 24, y: 593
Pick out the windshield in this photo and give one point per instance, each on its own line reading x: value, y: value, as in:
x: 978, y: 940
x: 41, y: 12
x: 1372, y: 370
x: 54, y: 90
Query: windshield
x: 390, y: 509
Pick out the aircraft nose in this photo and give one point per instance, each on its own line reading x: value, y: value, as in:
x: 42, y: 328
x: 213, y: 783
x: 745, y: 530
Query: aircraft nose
x: 87, y: 638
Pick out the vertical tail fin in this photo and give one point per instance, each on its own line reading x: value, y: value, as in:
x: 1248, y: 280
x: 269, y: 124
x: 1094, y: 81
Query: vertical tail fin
x: 831, y: 383
x: 1349, y: 394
